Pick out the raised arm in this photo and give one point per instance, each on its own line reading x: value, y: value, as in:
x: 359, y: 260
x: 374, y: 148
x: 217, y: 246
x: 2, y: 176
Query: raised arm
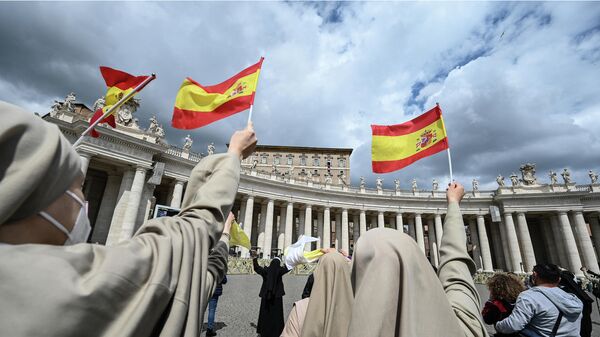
x: 213, y: 185
x: 457, y: 267
x: 257, y: 268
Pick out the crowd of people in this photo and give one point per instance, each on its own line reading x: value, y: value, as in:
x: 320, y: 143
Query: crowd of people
x: 160, y: 282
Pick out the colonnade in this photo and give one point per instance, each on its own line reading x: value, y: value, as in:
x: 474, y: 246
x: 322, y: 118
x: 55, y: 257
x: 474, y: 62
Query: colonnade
x: 560, y: 237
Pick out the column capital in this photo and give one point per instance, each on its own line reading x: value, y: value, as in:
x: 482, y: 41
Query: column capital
x: 248, y: 196
x: 561, y: 213
x: 508, y: 212
x: 87, y: 155
x: 140, y: 168
x: 577, y: 212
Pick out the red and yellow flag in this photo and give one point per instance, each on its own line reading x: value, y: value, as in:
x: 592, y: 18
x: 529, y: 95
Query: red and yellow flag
x: 119, y: 84
x: 197, y: 105
x: 397, y: 146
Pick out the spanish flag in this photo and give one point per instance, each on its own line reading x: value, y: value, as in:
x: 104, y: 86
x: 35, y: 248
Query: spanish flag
x: 197, y: 105
x: 397, y: 146
x: 119, y: 84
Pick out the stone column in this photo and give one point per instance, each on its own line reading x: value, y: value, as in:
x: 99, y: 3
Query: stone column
x: 549, y: 242
x: 248, y: 221
x: 268, y: 228
x: 300, y: 215
x: 133, y: 204
x: 380, y: 220
x: 595, y: 227
x: 433, y: 254
x: 525, y: 243
x: 308, y: 221
x: 513, y: 243
x: 281, y: 229
x: 107, y: 207
x: 439, y: 230
x: 320, y: 225
x: 569, y: 242
x: 484, y: 243
x: 338, y: 230
x: 559, y: 239
x: 498, y: 250
x: 345, y: 241
x: 260, y: 240
x: 114, y: 231
x: 177, y: 194
x: 419, y: 232
x: 587, y: 250
x: 85, y: 162
x: 355, y: 228
x: 476, y: 244
x: 289, y: 221
x: 373, y: 221
x: 326, y: 228
x: 505, y: 249
x: 411, y: 228
x: 392, y: 221
x: 399, y: 223
x: 363, y: 222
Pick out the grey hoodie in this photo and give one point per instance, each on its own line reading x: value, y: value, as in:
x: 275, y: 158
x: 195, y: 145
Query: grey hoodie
x: 535, y: 314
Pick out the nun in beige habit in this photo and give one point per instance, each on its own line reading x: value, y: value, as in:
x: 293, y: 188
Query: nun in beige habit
x: 156, y: 284
x: 397, y: 293
x: 326, y: 313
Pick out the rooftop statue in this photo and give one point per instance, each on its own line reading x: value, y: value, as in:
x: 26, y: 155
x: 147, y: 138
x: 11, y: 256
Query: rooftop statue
x: 500, y: 180
x: 414, y: 184
x: 99, y: 104
x: 211, y: 149
x: 528, y: 174
x: 362, y: 182
x: 153, y: 125
x: 553, y: 178
x: 514, y: 179
x: 379, y: 183
x: 126, y: 111
x: 475, y: 185
x: 188, y: 143
x: 68, y: 104
x: 434, y: 185
x: 397, y: 184
x: 593, y: 177
x: 566, y: 176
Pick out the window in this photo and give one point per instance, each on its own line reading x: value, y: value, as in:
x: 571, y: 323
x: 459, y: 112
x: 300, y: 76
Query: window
x: 342, y: 163
x: 263, y: 159
x: 316, y: 161
x: 316, y: 172
x: 290, y: 159
x: 303, y: 161
x: 276, y: 160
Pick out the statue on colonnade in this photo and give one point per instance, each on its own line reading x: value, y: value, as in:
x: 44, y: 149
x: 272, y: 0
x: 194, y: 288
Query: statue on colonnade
x: 99, y: 104
x: 593, y: 177
x: 566, y: 176
x: 500, y: 180
x: 553, y: 178
x: 528, y: 174
x: 475, y: 185
x: 379, y: 183
x: 435, y: 185
x: 362, y: 182
x: 414, y: 185
x: 69, y: 100
x: 397, y: 184
x: 210, y: 149
x: 188, y: 143
x: 514, y: 179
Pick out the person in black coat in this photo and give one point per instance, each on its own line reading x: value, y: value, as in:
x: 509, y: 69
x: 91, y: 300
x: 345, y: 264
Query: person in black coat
x: 270, y: 318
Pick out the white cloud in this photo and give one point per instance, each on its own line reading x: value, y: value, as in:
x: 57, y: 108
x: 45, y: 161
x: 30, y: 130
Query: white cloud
x: 517, y: 82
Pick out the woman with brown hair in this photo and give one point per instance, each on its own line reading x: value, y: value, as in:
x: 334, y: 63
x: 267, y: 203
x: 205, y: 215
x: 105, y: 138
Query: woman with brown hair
x: 504, y: 289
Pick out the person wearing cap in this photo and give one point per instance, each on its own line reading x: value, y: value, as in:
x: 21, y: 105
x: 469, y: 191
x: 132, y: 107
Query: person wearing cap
x: 158, y: 283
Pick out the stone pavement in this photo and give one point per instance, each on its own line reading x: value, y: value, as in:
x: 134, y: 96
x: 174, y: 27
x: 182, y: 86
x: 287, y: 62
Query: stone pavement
x: 237, y: 311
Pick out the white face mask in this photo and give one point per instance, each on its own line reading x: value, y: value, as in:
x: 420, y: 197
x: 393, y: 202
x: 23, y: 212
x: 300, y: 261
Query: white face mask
x: 81, y: 228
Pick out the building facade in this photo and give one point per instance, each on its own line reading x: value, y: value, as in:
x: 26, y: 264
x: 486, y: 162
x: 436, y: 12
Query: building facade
x: 129, y: 170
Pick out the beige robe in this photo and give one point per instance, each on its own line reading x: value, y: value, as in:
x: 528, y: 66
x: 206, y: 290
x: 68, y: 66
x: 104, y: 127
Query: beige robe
x: 156, y: 284
x: 293, y: 326
x: 397, y: 293
x: 330, y: 307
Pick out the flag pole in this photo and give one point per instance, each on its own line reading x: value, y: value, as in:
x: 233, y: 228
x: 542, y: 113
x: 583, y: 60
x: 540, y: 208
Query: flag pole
x: 448, y: 149
x: 114, y: 107
x: 450, y: 165
x: 255, y: 87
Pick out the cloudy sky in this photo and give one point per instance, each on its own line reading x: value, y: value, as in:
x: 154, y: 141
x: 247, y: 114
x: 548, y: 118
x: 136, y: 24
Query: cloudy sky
x: 518, y: 82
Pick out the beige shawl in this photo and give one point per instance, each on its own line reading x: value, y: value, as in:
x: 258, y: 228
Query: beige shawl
x: 329, y: 310
x: 397, y: 293
x: 156, y: 284
x: 293, y: 326
x: 37, y: 163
